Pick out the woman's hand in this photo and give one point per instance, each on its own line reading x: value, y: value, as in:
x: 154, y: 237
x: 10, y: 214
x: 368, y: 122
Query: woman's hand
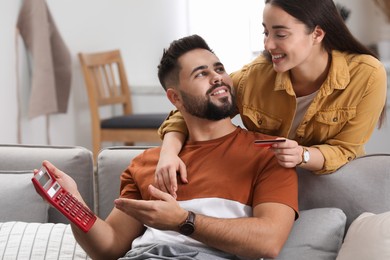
x: 167, y: 169
x: 288, y: 153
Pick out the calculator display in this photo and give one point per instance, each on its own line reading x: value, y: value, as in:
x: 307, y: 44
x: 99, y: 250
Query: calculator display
x: 44, y: 179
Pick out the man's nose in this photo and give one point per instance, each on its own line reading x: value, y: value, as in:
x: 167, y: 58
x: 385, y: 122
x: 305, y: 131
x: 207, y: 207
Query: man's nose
x: 217, y: 78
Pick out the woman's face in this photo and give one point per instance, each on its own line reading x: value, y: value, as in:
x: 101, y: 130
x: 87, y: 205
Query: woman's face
x: 287, y: 39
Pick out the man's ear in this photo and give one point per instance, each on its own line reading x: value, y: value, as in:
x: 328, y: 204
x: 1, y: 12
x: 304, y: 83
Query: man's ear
x: 318, y: 34
x: 174, y: 97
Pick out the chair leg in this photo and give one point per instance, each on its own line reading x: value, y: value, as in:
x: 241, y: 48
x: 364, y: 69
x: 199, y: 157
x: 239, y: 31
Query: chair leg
x: 95, y: 151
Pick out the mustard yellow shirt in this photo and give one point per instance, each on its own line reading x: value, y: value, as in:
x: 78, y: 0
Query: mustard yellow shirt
x: 339, y: 121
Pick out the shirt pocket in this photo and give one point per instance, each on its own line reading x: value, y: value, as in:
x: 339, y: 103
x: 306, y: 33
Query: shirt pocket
x: 259, y: 121
x: 328, y: 123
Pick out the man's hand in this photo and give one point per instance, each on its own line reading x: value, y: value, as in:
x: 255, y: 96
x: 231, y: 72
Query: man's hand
x: 62, y: 178
x: 288, y: 153
x: 167, y: 168
x: 164, y: 213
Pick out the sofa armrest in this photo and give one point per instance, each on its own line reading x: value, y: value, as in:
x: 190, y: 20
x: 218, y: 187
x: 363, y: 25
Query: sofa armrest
x: 75, y: 161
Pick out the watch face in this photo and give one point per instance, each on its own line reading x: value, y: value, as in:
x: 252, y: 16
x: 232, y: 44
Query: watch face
x: 306, y: 156
x: 187, y: 229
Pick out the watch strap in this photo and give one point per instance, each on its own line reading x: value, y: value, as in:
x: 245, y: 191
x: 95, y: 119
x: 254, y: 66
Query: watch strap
x: 190, y: 217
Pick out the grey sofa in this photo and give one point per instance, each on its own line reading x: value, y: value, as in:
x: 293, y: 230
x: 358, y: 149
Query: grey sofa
x: 328, y: 204
x: 29, y: 228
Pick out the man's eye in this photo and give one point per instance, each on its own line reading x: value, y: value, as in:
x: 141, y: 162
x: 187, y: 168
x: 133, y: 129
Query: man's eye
x: 221, y: 69
x: 200, y: 74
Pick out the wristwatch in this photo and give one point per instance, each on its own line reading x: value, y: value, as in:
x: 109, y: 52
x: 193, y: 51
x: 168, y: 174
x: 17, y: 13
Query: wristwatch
x: 305, y: 156
x: 188, y: 226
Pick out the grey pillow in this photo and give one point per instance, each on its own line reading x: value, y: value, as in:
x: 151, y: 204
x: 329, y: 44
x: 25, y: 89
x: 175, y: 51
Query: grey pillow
x: 317, y: 234
x: 19, y: 200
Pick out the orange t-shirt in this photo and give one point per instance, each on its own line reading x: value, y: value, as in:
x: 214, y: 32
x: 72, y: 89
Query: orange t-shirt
x: 229, y: 169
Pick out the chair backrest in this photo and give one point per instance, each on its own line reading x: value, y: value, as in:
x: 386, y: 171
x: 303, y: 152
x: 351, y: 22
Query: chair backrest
x: 106, y: 81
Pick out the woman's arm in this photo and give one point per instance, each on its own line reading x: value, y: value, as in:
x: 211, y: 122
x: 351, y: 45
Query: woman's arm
x: 174, y: 132
x: 290, y: 155
x: 170, y: 164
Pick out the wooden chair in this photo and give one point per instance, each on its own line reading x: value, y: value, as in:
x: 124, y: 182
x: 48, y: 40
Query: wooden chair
x: 106, y: 82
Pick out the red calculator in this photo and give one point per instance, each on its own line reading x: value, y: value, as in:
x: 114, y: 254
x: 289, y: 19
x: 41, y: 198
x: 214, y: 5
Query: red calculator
x: 47, y: 186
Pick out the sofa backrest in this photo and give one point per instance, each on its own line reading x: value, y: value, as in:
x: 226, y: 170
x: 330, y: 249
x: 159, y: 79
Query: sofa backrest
x: 359, y: 186
x: 362, y: 185
x: 76, y: 161
x: 112, y: 161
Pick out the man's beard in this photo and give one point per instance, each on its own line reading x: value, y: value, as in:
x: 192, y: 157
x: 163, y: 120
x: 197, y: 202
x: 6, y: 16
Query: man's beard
x: 203, y: 107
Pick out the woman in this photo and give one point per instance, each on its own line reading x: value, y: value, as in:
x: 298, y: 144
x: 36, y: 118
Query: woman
x: 315, y: 85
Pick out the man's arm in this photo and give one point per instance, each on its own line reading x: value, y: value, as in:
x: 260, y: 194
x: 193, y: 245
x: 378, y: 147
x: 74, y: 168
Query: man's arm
x: 109, y: 239
x: 262, y: 235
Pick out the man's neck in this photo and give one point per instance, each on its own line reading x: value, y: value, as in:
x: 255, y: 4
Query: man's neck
x: 205, y: 130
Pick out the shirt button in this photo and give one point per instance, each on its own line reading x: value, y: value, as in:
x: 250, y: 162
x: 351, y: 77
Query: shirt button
x: 260, y: 121
x: 335, y: 119
x: 349, y: 158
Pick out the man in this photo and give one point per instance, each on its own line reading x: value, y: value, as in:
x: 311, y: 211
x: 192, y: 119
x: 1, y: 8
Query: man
x: 239, y: 202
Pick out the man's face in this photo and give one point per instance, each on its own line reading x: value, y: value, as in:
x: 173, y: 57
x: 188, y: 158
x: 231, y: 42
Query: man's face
x: 205, y: 87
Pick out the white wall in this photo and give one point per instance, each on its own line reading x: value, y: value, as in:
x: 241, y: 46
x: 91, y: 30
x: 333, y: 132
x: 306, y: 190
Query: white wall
x: 226, y: 25
x: 8, y: 104
x: 141, y: 29
x: 365, y: 20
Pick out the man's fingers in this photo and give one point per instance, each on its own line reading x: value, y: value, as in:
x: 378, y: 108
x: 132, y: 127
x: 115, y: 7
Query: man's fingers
x: 48, y: 165
x: 158, y: 194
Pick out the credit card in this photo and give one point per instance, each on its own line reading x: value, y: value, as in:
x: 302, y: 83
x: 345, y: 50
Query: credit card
x: 268, y: 142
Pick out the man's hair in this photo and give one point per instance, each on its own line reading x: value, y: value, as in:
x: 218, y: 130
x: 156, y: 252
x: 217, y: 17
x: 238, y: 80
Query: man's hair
x: 169, y: 68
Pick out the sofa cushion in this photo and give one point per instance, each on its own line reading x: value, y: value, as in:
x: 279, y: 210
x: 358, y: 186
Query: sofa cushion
x: 317, y: 234
x: 21, y: 240
x: 75, y: 161
x: 112, y: 161
x: 368, y: 237
x: 350, y: 188
x: 19, y: 200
